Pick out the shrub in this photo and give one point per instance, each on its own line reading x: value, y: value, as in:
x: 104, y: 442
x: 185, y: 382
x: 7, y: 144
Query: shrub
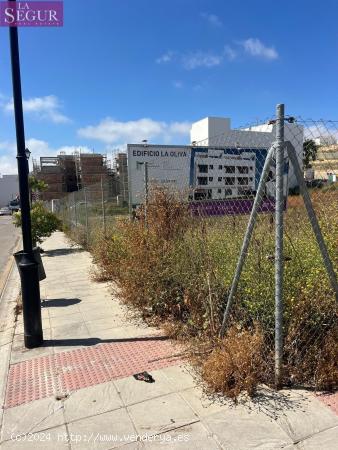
x: 43, y: 222
x: 237, y: 363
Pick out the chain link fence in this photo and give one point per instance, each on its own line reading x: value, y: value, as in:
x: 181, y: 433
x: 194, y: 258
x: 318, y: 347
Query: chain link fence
x: 92, y: 210
x: 246, y: 226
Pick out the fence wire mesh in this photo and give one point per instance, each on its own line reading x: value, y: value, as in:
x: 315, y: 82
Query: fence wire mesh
x: 183, y: 228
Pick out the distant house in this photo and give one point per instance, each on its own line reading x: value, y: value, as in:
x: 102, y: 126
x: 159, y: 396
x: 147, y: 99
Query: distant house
x: 9, y: 189
x: 325, y: 167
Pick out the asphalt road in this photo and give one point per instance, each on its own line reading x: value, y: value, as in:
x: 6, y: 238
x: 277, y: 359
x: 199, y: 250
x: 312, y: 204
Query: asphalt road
x: 9, y: 235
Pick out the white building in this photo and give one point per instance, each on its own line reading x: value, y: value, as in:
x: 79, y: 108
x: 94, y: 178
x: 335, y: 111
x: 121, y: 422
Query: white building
x: 220, y: 163
x: 9, y: 188
x: 219, y: 175
x: 217, y: 132
x: 326, y: 140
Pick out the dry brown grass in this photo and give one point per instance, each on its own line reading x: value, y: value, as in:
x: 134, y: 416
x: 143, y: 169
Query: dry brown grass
x: 236, y: 364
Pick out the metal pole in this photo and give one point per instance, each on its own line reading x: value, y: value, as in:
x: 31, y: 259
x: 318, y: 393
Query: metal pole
x: 279, y: 229
x: 313, y: 218
x: 75, y: 209
x: 86, y: 214
x: 247, y: 237
x: 28, y: 267
x: 146, y: 193
x: 103, y: 208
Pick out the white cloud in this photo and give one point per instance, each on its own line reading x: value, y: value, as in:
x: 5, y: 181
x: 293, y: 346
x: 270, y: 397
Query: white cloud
x: 212, y: 19
x: 326, y: 132
x: 8, y: 165
x: 197, y: 59
x: 201, y: 59
x: 165, y: 58
x: 178, y: 84
x: 230, y: 53
x: 115, y: 132
x: 47, y: 108
x: 37, y: 147
x: 255, y: 47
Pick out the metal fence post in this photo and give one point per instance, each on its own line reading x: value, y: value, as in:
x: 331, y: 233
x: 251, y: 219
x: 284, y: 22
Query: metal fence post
x: 69, y: 213
x: 75, y: 212
x: 279, y: 263
x: 146, y: 193
x: 247, y: 237
x: 103, y: 208
x: 86, y: 214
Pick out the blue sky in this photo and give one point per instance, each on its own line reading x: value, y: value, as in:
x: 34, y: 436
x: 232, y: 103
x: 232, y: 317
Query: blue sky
x: 125, y: 70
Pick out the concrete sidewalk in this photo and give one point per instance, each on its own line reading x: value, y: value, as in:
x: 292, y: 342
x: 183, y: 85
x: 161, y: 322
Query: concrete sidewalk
x: 78, y: 390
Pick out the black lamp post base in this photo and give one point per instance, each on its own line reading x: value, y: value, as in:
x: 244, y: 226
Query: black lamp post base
x: 30, y: 291
x: 33, y: 341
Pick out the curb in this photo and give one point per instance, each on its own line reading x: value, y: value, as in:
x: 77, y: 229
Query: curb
x: 4, y: 277
x: 10, y: 291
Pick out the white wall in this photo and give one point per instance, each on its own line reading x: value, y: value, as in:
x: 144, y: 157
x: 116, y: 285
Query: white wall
x: 9, y: 188
x: 209, y: 126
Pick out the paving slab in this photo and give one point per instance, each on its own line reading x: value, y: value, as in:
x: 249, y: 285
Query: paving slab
x: 20, y: 353
x: 32, y: 417
x: 326, y: 440
x: 92, y: 401
x: 179, y: 377
x: 55, y: 438
x: 298, y: 412
x: 134, y: 391
x: 237, y: 429
x: 306, y: 419
x: 62, y: 311
x: 69, y: 319
x: 193, y: 436
x: 104, y: 431
x: 162, y: 414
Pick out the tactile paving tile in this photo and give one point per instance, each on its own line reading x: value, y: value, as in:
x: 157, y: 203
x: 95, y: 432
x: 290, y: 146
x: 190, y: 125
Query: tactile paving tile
x: 64, y: 372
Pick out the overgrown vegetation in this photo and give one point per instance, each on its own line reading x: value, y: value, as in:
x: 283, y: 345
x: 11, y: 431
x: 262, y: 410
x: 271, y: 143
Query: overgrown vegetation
x: 178, y: 270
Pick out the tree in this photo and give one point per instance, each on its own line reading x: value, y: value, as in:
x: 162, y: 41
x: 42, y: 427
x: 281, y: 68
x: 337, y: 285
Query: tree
x: 310, y: 149
x: 36, y: 186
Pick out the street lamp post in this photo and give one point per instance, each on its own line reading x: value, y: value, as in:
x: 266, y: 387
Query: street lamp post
x: 28, y: 267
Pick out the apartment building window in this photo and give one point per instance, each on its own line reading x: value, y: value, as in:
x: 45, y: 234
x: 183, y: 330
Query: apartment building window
x: 229, y: 181
x: 219, y: 191
x: 242, y: 181
x: 203, y: 168
x: 243, y: 169
x: 219, y: 178
x: 211, y: 178
x: 202, y: 181
x: 220, y: 167
x: 211, y: 167
x: 228, y: 192
x: 229, y: 169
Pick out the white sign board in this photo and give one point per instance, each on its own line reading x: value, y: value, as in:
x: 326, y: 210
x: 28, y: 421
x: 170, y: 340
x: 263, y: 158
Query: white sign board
x: 167, y: 166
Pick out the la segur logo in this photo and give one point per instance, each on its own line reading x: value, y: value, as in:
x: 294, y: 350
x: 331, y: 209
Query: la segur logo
x: 31, y: 14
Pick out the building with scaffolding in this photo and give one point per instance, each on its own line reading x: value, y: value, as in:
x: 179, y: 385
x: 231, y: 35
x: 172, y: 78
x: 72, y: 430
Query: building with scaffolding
x: 68, y: 173
x: 120, y: 169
